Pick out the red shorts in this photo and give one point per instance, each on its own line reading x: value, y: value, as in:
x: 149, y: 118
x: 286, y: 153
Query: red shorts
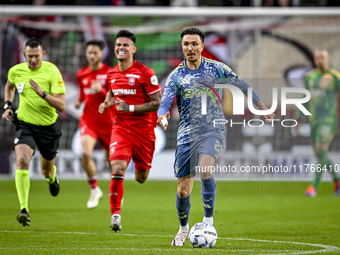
x: 139, y: 146
x: 102, y: 135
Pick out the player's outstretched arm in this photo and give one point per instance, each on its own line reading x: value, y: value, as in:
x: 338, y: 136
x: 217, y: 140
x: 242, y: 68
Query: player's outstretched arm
x: 270, y: 117
x: 147, y: 107
x: 163, y: 120
x: 9, y: 96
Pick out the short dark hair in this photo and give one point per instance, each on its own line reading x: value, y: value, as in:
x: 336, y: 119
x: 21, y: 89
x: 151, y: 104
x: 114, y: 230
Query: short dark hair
x: 126, y: 33
x: 193, y: 31
x: 99, y: 43
x: 33, y: 43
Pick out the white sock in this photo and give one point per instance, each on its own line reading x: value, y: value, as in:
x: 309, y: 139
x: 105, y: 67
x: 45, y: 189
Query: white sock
x: 209, y: 220
x: 95, y: 189
x: 184, y: 228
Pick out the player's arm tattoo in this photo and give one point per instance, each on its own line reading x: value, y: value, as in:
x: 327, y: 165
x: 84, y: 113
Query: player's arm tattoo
x: 150, y: 106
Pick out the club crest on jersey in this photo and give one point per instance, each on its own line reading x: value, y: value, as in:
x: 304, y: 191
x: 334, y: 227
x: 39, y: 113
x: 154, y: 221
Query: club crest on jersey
x: 85, y: 81
x: 132, y: 81
x: 209, y: 77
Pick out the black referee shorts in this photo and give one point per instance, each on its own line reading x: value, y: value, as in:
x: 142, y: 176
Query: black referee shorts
x: 46, y: 138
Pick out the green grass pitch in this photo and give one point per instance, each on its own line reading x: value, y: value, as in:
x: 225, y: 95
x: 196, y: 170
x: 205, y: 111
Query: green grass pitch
x: 250, y: 218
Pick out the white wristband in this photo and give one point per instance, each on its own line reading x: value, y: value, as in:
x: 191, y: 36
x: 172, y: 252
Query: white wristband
x: 131, y: 108
x: 164, y: 121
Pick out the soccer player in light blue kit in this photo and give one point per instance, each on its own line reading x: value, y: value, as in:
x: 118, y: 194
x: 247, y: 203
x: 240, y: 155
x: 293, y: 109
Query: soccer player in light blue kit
x: 199, y: 141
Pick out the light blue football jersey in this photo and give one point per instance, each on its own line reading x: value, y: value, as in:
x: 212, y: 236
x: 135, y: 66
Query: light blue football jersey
x: 199, y: 102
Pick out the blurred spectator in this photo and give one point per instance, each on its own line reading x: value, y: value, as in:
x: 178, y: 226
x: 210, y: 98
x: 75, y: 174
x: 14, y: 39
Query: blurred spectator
x: 190, y: 3
x: 280, y: 3
x: 305, y: 3
x: 25, y: 2
x: 333, y: 3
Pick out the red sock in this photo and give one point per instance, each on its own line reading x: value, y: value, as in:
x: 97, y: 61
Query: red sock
x: 92, y: 180
x: 116, y: 193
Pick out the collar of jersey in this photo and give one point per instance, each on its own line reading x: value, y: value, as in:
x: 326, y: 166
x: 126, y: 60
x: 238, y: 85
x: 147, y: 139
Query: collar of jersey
x: 198, y: 69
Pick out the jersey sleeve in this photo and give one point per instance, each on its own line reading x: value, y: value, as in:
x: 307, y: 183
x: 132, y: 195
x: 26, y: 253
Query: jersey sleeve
x: 81, y: 96
x: 56, y: 81
x: 10, y: 75
x: 234, y: 79
x: 337, y: 80
x: 169, y: 94
x: 150, y: 81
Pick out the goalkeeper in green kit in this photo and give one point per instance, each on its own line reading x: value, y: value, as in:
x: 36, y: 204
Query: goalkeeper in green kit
x: 324, y: 85
x: 41, y: 92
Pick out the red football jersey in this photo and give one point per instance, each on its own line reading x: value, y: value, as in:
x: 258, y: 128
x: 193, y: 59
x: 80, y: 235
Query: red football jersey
x: 135, y: 86
x: 92, y: 99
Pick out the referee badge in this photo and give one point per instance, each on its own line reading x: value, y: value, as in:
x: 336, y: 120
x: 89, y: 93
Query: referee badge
x: 21, y: 87
x: 61, y: 82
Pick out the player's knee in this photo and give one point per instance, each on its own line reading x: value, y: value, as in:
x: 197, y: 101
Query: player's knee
x: 118, y: 168
x: 320, y: 153
x: 86, y: 156
x: 23, y: 162
x: 183, y: 192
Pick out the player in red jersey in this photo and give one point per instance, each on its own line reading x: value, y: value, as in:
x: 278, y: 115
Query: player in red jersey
x: 136, y: 94
x: 93, y: 125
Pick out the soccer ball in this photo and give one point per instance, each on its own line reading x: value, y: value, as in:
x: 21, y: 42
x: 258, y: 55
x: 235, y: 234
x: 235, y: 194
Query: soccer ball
x: 202, y: 235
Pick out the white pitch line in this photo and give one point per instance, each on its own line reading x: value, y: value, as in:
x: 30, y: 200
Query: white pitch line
x: 131, y: 249
x: 325, y: 248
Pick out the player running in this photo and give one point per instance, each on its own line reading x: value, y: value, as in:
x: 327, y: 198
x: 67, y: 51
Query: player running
x: 199, y: 141
x: 135, y: 92
x: 41, y: 92
x: 93, y: 125
x: 324, y: 85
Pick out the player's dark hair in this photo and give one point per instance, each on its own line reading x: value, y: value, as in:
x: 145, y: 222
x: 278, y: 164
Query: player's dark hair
x: 33, y: 43
x: 193, y: 31
x: 99, y: 43
x: 127, y: 34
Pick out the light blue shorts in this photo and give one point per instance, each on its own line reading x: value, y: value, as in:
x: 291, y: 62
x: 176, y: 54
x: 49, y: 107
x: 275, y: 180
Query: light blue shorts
x: 187, y: 155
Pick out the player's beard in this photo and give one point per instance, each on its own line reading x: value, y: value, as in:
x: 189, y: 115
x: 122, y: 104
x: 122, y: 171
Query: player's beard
x: 96, y: 63
x: 194, y: 60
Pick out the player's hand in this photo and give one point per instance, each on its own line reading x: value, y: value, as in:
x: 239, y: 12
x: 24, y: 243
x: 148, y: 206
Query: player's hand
x: 77, y: 104
x: 163, y: 120
x: 121, y: 105
x: 96, y: 85
x: 7, y: 114
x: 35, y: 86
x: 269, y: 118
x: 103, y: 106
